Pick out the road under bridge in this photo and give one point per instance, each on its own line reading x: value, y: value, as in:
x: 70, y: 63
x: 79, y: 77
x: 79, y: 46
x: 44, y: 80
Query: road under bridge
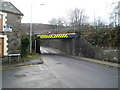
x: 70, y: 43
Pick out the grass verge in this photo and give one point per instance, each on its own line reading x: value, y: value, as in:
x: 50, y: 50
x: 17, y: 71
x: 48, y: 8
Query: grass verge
x: 30, y: 57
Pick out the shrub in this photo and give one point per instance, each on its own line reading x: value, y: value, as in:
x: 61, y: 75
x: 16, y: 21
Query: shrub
x: 25, y: 45
x: 105, y: 38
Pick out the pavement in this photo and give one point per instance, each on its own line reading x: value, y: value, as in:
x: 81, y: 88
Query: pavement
x: 102, y: 62
x: 30, y: 62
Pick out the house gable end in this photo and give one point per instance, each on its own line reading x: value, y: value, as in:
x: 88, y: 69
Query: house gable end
x: 9, y: 7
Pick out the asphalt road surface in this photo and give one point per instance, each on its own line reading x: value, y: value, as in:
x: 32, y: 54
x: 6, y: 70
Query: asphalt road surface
x: 60, y: 72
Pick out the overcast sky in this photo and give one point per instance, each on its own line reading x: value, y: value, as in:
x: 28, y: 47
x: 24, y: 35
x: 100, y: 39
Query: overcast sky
x: 61, y: 8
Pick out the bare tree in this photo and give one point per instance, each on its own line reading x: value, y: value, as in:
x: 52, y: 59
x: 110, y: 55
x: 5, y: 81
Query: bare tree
x: 119, y: 13
x: 58, y: 21
x: 114, y: 15
x: 78, y: 18
x: 53, y: 21
x: 100, y: 23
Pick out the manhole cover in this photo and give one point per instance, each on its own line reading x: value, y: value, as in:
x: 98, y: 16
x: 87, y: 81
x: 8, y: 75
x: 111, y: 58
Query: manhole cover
x: 59, y: 63
x: 20, y: 76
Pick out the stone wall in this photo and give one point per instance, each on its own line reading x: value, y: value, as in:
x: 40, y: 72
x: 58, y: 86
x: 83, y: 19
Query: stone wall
x: 14, y: 38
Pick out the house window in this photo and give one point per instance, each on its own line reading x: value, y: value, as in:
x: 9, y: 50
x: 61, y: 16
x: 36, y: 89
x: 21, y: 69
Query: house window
x: 1, y: 23
x: 1, y: 47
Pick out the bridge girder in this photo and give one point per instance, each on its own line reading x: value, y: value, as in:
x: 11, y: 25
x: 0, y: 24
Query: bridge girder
x: 56, y: 36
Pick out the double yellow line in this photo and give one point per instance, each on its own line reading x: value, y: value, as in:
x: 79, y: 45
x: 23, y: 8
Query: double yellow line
x: 13, y: 67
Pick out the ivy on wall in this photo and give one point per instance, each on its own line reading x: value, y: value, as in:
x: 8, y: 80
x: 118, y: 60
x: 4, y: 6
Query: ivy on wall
x: 24, y: 45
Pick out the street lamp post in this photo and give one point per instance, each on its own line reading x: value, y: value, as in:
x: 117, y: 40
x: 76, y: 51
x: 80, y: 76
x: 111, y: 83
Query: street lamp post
x: 31, y: 30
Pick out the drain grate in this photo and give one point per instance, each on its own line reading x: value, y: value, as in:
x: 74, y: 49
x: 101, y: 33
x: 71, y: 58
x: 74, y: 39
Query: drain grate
x: 20, y: 76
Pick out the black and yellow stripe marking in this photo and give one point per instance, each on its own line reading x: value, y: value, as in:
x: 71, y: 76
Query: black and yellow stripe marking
x: 54, y: 36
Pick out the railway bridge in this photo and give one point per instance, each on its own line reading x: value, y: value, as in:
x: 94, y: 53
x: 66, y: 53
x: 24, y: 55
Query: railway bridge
x: 71, y: 43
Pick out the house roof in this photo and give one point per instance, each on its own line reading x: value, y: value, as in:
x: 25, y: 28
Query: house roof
x: 9, y: 7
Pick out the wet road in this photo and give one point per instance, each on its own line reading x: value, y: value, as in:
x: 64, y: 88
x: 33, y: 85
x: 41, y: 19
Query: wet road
x: 75, y: 73
x: 61, y: 72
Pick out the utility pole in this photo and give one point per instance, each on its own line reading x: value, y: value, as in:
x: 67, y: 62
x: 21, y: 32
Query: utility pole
x: 31, y: 32
x: 31, y: 27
